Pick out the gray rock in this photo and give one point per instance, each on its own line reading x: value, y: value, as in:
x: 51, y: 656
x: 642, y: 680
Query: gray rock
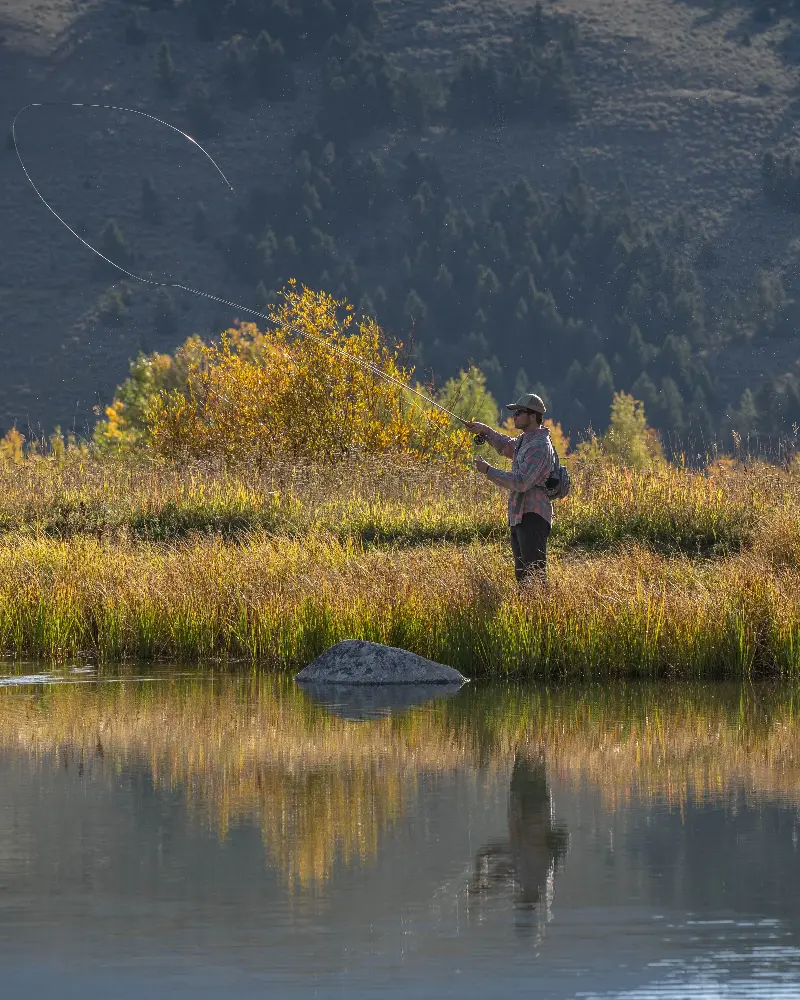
x: 357, y: 662
x: 361, y: 702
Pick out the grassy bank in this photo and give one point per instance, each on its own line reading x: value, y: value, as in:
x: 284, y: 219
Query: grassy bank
x: 671, y: 573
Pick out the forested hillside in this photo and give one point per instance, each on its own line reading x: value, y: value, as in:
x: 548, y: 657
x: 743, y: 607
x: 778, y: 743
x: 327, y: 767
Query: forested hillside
x: 529, y: 189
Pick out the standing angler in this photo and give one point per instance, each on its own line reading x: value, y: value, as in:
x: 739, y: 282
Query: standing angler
x: 530, y: 512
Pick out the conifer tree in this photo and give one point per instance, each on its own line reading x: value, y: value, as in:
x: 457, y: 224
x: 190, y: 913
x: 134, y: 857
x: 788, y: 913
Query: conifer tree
x: 166, y: 74
x: 700, y: 425
x: 268, y: 248
x: 152, y: 208
x: 745, y: 420
x: 114, y: 247
x: 522, y: 384
x: 165, y: 316
x: 235, y: 67
x: 414, y: 308
x: 262, y: 296
x: 671, y: 405
x: 112, y: 308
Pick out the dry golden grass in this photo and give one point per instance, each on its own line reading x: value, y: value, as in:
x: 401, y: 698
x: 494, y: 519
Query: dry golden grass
x: 669, y: 572
x: 384, y: 501
x: 283, y: 601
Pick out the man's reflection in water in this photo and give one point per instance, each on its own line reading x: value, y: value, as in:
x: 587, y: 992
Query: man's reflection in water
x: 527, y: 861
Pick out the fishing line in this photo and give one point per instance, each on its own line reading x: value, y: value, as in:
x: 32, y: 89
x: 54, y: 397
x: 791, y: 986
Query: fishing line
x: 367, y: 365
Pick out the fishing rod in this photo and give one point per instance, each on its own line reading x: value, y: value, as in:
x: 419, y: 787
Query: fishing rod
x: 367, y: 365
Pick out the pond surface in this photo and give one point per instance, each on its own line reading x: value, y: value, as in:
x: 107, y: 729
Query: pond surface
x: 213, y: 835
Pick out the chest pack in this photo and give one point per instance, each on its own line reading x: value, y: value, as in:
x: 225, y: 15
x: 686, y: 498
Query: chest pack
x: 557, y: 485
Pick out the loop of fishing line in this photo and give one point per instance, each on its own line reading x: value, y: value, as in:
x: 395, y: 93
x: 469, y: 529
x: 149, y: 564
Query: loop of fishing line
x: 374, y: 369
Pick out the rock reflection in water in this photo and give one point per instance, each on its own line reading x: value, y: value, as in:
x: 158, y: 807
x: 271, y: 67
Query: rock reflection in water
x: 361, y: 702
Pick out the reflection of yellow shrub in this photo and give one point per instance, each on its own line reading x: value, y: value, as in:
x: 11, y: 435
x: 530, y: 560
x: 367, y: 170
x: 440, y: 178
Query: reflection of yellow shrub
x: 294, y: 391
x: 252, y: 748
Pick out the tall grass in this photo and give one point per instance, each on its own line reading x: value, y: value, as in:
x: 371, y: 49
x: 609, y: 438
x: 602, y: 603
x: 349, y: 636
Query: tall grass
x: 670, y: 509
x: 668, y: 573
x: 282, y: 602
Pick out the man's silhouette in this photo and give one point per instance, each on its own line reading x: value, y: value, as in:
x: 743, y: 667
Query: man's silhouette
x: 527, y: 861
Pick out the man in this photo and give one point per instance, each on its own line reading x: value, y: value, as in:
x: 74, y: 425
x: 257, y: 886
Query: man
x: 530, y: 513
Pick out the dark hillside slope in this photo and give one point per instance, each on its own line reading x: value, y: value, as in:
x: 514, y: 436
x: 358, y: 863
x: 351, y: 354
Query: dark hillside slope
x: 648, y: 120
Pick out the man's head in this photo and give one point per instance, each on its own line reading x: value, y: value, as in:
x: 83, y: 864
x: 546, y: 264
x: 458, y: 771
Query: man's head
x: 528, y: 411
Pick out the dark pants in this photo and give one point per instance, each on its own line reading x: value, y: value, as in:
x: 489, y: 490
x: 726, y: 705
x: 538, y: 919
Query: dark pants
x: 529, y: 543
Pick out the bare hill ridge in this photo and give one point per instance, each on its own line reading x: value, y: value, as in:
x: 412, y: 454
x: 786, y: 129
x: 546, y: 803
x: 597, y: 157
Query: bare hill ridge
x: 671, y: 100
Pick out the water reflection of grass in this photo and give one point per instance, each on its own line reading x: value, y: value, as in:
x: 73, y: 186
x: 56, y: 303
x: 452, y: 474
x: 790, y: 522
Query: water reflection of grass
x: 252, y: 748
x: 324, y: 790
x: 669, y: 743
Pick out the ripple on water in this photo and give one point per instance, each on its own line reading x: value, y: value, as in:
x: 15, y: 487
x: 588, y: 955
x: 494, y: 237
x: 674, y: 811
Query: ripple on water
x: 70, y: 675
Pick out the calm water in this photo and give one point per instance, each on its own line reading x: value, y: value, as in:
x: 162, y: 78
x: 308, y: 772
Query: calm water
x: 218, y: 836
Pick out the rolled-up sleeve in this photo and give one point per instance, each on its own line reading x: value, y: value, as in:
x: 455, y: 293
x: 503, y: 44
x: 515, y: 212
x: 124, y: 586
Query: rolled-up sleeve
x: 501, y: 443
x: 534, y: 466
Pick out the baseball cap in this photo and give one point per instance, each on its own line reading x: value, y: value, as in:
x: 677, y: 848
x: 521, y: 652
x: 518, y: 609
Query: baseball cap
x: 528, y: 401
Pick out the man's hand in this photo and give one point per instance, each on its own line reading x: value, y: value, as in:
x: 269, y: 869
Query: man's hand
x: 481, y: 464
x: 476, y: 427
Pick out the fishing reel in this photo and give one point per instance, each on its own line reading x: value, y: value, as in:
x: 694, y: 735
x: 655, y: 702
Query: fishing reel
x: 479, y: 439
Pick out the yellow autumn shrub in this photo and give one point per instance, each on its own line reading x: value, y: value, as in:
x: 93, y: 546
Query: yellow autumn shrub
x: 11, y: 446
x: 126, y: 429
x: 295, y: 391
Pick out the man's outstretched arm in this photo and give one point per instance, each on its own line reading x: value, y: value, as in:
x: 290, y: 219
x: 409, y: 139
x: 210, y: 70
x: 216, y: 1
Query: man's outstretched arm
x: 502, y: 443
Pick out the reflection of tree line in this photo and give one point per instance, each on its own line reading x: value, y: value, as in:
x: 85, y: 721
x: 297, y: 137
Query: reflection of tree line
x: 324, y: 790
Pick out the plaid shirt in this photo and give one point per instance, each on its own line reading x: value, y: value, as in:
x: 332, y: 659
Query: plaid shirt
x: 534, y: 458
